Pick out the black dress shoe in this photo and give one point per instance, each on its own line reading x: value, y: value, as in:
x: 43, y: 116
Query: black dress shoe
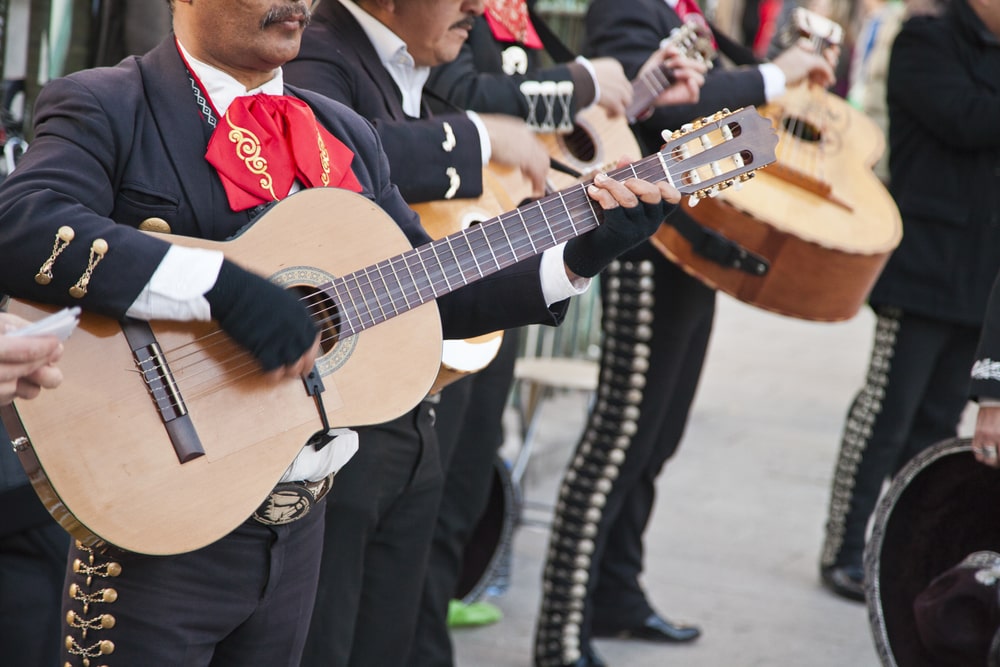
x: 847, y: 581
x: 654, y: 629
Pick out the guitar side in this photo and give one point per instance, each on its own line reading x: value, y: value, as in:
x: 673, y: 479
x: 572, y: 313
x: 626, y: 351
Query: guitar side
x: 107, y: 468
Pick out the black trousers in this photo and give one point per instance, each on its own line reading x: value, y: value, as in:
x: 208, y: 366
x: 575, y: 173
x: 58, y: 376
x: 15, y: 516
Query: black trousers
x: 32, y: 569
x: 469, y: 427
x: 657, y: 321
x: 915, y: 391
x: 243, y: 601
x: 379, y: 521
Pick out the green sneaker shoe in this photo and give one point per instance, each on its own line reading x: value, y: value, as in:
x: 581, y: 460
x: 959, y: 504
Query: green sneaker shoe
x: 461, y: 615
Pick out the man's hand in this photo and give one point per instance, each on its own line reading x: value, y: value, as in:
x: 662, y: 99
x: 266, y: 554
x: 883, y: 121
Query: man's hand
x: 986, y: 439
x: 800, y: 61
x: 689, y: 75
x: 633, y: 211
x: 614, y: 90
x: 27, y: 364
x: 515, y: 145
x: 269, y: 321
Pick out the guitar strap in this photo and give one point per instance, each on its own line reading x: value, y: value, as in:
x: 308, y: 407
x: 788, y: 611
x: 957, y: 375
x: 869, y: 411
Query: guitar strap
x: 715, y: 247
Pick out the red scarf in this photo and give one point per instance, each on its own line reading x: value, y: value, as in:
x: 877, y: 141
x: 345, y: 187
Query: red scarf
x: 265, y: 142
x: 509, y: 22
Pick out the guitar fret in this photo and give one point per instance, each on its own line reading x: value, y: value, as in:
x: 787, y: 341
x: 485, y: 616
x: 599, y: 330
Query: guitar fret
x: 661, y: 81
x: 650, y: 86
x: 569, y: 216
x: 351, y: 293
x: 486, y: 247
x: 415, y: 263
x: 440, y: 267
x: 451, y: 248
x: 434, y: 271
x: 476, y: 270
x: 375, y: 294
x: 426, y: 274
x: 510, y: 243
x: 527, y: 231
x: 389, y: 293
x: 347, y: 316
x: 412, y: 281
x: 594, y: 209
x: 365, y: 314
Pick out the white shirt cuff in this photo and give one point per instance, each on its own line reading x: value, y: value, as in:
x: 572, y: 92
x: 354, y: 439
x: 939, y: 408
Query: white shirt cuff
x: 484, y: 137
x: 774, y: 80
x: 556, y: 285
x: 177, y: 288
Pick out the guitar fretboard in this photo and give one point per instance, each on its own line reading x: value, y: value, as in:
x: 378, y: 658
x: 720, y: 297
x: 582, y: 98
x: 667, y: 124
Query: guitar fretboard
x: 396, y: 285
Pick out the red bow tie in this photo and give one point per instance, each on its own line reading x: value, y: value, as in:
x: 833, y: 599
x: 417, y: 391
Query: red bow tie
x: 265, y: 142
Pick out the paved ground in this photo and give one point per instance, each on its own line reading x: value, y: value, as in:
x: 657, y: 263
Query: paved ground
x: 735, y: 539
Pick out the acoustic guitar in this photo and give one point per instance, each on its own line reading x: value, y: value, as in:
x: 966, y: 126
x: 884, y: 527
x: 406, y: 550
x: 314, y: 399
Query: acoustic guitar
x: 503, y: 189
x: 819, y: 216
x: 164, y: 436
x: 597, y: 140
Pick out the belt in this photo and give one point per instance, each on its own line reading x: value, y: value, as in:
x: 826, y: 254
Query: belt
x: 290, y: 501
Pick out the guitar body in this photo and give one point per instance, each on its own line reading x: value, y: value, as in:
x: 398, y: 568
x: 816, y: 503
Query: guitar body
x: 819, y: 215
x: 595, y: 144
x: 99, y: 456
x: 503, y: 189
x: 165, y: 436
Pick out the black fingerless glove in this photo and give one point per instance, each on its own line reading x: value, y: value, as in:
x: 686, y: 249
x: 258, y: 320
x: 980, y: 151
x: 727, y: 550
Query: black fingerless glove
x: 265, y: 319
x: 622, y: 229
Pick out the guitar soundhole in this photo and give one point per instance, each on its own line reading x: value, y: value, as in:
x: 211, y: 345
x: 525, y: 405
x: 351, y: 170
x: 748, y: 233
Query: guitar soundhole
x: 324, y: 312
x: 580, y: 144
x: 802, y: 129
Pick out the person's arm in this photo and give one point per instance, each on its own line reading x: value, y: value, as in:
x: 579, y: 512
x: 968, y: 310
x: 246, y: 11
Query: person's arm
x: 65, y: 181
x: 431, y: 158
x: 468, y: 83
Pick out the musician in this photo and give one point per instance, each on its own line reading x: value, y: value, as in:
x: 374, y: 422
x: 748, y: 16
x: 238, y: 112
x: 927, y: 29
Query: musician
x: 652, y: 355
x: 375, y: 56
x: 500, y: 70
x: 116, y: 146
x: 376, y: 544
x: 934, y: 293
x: 32, y: 545
x: 453, y: 147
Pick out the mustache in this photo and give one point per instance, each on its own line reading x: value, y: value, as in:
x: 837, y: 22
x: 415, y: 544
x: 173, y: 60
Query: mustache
x: 298, y: 11
x: 466, y: 23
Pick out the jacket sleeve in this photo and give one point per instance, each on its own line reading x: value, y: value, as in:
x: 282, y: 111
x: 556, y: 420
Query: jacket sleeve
x: 58, y: 202
x: 536, y: 95
x: 431, y: 158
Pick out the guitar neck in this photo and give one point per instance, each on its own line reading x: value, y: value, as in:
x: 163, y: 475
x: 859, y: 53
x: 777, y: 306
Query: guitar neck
x: 646, y: 88
x: 705, y: 156
x: 694, y: 40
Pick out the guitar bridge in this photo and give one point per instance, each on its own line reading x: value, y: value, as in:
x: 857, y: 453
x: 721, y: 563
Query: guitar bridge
x: 159, y: 380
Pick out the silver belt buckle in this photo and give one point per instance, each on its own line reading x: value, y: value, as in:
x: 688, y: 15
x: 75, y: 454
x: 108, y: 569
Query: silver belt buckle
x: 290, y: 501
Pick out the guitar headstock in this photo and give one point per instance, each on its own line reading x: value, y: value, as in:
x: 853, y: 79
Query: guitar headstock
x: 820, y: 30
x: 693, y: 39
x: 723, y: 150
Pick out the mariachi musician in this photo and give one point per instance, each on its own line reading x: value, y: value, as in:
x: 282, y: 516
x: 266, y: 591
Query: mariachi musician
x: 657, y: 320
